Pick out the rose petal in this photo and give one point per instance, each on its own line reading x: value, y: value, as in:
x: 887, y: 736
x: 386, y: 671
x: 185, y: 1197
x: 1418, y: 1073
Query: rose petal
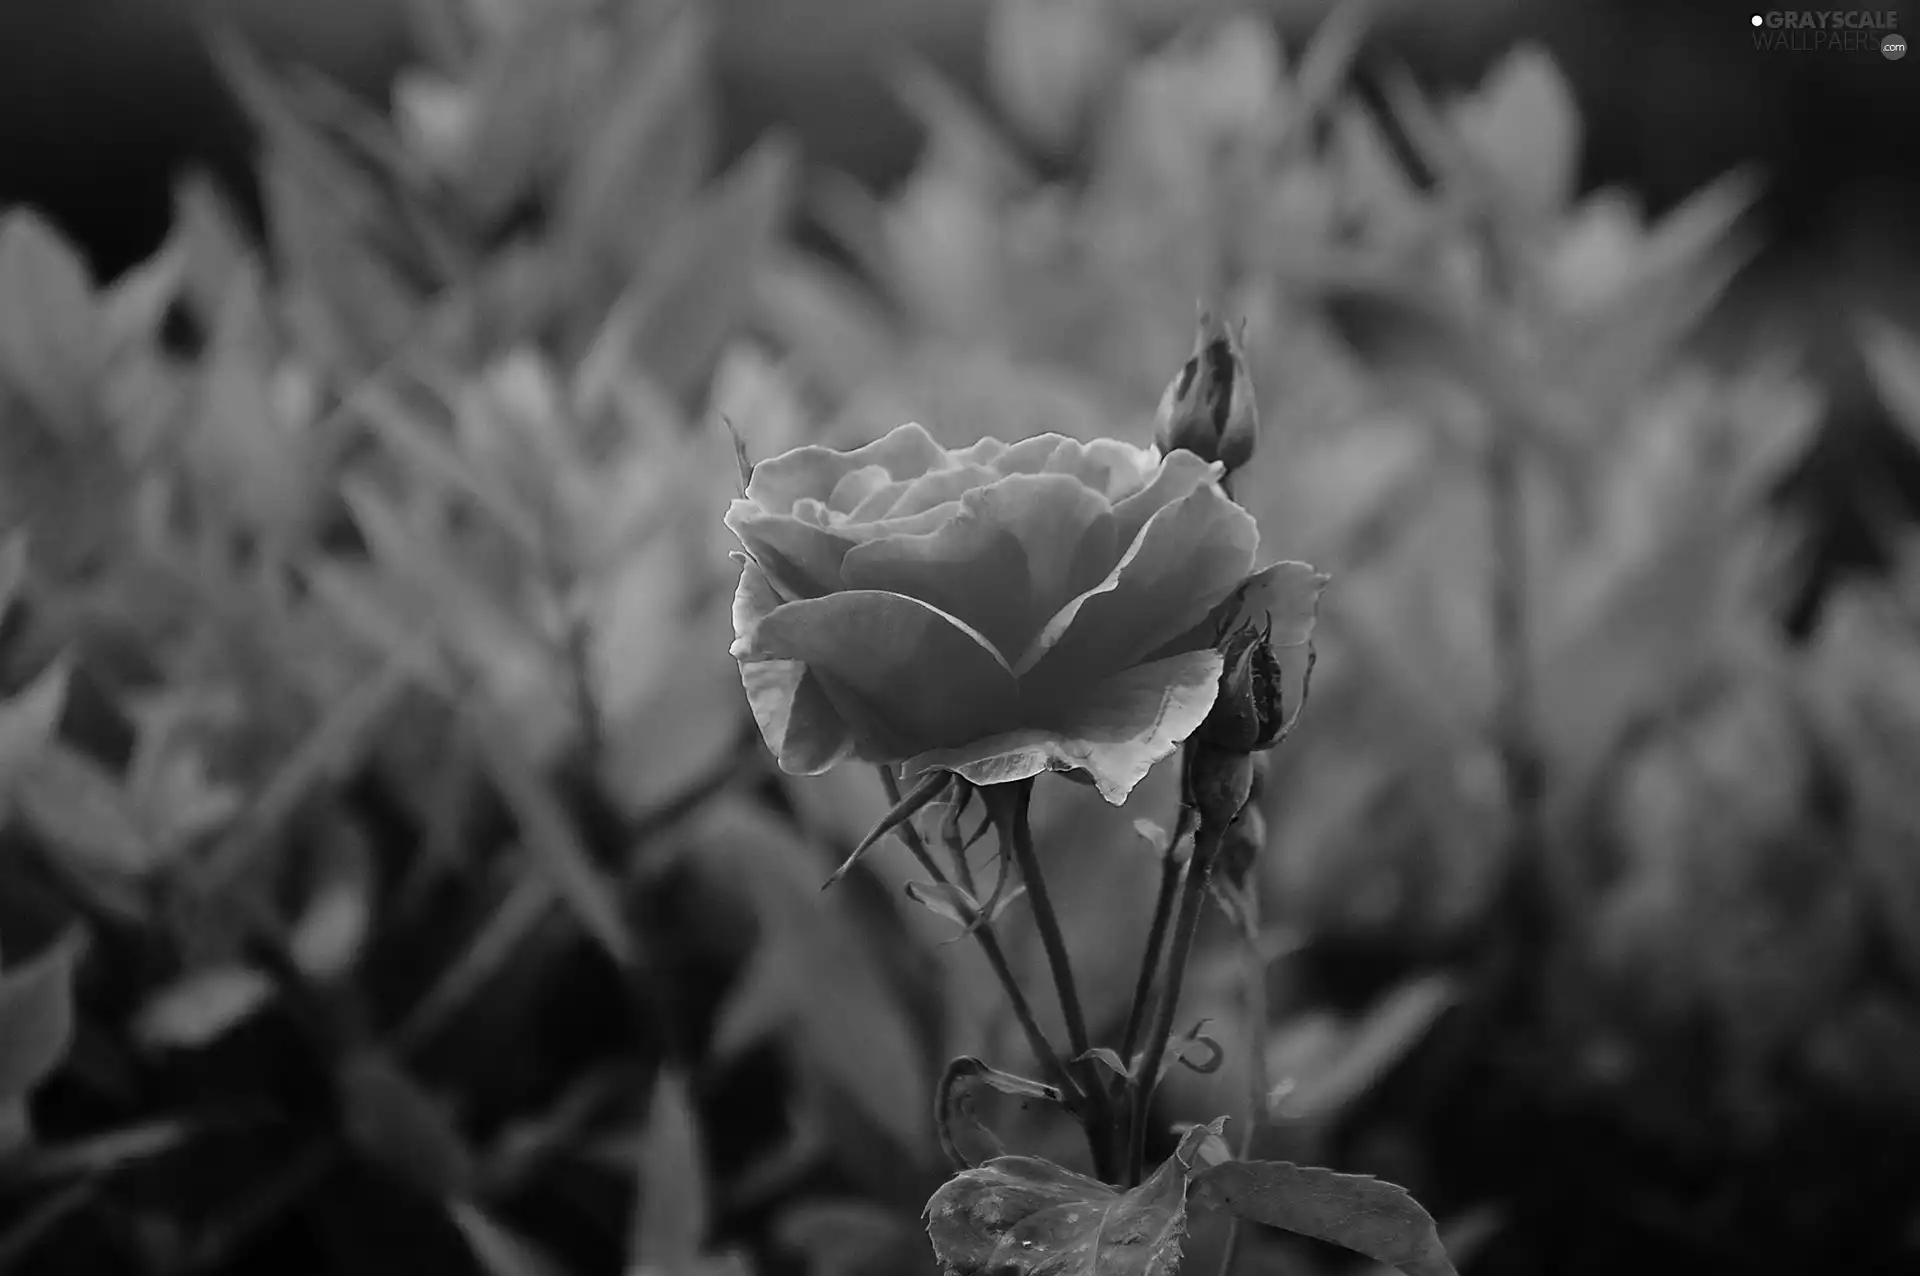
x: 1114, y: 730
x: 857, y: 486
x: 1028, y: 456
x: 981, y: 452
x: 905, y: 676
x: 1287, y: 594
x: 799, y: 724
x: 1189, y: 556
x: 932, y: 489
x: 905, y: 452
x: 1114, y: 469
x: 1007, y: 562
x: 800, y: 558
x: 1179, y: 474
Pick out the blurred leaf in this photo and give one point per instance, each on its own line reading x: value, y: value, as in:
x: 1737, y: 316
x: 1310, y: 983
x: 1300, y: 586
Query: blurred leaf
x: 512, y: 923
x: 203, y: 1006
x: 637, y: 170
x: 333, y: 926
x: 13, y: 569
x: 72, y: 802
x: 1354, y: 1211
x: 261, y: 466
x: 525, y: 101
x: 554, y: 842
x: 844, y: 1238
x: 36, y: 1017
x: 670, y: 1223
x: 341, y: 238
x: 1893, y: 361
x: 1019, y: 1214
x: 338, y: 743
x: 1051, y: 61
x: 1368, y: 1050
x: 102, y: 1153
x: 400, y: 1126
x: 499, y: 1251
x: 1524, y: 126
x: 48, y: 337
x: 676, y: 319
x: 134, y: 306
x: 28, y: 722
x: 811, y: 983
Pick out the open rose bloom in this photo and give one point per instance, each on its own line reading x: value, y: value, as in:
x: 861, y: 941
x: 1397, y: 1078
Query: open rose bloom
x: 997, y: 610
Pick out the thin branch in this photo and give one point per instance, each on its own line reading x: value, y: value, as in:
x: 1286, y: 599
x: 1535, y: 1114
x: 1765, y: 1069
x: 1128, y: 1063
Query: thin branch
x: 1017, y: 833
x: 1253, y: 979
x: 1192, y: 896
x: 1009, y: 807
x: 996, y: 957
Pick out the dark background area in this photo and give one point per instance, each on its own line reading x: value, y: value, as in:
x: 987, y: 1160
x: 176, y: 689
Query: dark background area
x: 104, y: 102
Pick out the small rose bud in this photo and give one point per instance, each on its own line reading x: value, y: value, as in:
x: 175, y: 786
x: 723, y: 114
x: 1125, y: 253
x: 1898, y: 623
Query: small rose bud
x: 1208, y: 408
x: 1247, y: 715
x: 1218, y: 783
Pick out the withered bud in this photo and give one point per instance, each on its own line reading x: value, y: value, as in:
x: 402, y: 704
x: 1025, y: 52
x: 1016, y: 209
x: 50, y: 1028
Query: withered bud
x: 1208, y: 408
x: 1247, y: 715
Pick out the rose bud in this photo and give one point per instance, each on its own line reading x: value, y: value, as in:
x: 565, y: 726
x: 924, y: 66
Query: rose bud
x: 1219, y: 782
x: 1208, y: 408
x: 1247, y: 714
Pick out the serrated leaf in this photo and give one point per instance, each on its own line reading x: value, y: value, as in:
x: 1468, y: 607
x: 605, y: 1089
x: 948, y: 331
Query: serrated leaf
x: 670, y: 1224
x: 202, y: 1007
x: 1025, y: 1216
x: 48, y: 337
x: 1366, y: 1215
x: 36, y: 1017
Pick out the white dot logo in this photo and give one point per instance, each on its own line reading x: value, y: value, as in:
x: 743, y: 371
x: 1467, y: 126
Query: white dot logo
x: 1757, y: 19
x: 1894, y: 47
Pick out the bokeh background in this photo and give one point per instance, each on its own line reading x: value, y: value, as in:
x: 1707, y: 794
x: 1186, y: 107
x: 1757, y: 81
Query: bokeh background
x: 391, y: 877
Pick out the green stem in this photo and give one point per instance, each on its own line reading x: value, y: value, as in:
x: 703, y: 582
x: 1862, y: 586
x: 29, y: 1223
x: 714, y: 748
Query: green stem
x: 1017, y: 833
x: 1143, y: 985
x: 1008, y: 805
x: 1171, y: 867
x: 997, y: 958
x: 1253, y: 977
x: 1186, y: 925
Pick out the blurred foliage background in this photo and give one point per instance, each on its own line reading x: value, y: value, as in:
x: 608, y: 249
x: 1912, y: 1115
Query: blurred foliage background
x: 391, y: 876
